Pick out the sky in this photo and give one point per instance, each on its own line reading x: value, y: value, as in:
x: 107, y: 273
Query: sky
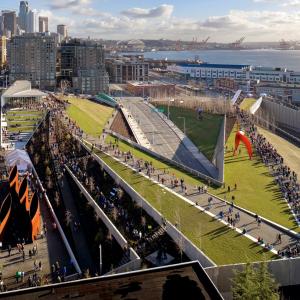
x: 222, y: 20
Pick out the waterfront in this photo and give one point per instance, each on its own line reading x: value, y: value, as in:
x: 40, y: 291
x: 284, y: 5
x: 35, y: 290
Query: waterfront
x: 268, y: 58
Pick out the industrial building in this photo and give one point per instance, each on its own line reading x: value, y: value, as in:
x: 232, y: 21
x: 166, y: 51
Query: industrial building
x: 32, y: 57
x: 127, y: 68
x: 82, y: 65
x: 244, y: 72
x: 153, y: 89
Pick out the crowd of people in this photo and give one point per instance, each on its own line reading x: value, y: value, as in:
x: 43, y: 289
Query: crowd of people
x: 284, y: 176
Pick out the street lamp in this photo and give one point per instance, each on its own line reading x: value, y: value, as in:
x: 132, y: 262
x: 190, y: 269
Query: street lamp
x: 100, y: 260
x: 183, y: 123
x: 170, y: 100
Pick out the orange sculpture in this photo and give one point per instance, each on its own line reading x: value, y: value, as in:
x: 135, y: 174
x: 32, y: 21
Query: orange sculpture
x: 241, y: 137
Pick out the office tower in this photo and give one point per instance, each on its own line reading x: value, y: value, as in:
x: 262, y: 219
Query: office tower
x: 32, y: 57
x: 31, y: 22
x: 82, y: 64
x: 3, y: 51
x: 62, y: 31
x: 43, y: 24
x: 23, y: 15
x: 9, y: 23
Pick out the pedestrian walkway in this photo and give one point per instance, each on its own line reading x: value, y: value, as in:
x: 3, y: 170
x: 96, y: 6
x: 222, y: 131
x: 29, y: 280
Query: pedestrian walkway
x: 72, y: 215
x: 82, y: 249
x: 256, y: 228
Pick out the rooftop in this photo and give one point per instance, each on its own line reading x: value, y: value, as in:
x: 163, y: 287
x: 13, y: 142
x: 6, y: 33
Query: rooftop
x: 22, y: 88
x: 216, y: 66
x: 182, y: 281
x: 149, y: 83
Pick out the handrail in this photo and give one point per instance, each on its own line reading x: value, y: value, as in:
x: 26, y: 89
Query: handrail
x: 167, y: 160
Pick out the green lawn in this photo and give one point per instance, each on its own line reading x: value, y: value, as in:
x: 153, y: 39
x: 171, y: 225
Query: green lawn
x: 24, y: 112
x: 222, y: 244
x: 188, y: 178
x: 90, y: 116
x: 247, y: 103
x: 23, y: 123
x: 203, y: 133
x: 256, y: 188
x: 256, y: 191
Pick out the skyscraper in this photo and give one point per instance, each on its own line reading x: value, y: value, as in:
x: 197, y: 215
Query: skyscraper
x: 31, y: 22
x: 9, y: 23
x: 32, y: 57
x: 3, y: 51
x: 62, y: 31
x: 23, y: 15
x: 43, y: 24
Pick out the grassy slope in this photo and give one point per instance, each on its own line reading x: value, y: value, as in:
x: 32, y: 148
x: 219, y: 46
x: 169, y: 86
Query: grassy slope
x: 90, y: 116
x: 257, y: 190
x: 203, y: 133
x: 219, y: 242
x: 123, y: 146
x: 247, y: 103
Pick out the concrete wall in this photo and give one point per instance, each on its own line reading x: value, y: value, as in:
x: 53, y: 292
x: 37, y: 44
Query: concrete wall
x: 111, y: 227
x: 285, y: 271
x: 218, y: 158
x: 280, y: 114
x: 164, y: 159
x: 62, y: 234
x: 189, y: 248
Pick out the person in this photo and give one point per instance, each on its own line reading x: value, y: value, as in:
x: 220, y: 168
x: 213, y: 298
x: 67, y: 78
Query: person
x: 259, y: 222
x: 279, y: 238
x: 9, y: 249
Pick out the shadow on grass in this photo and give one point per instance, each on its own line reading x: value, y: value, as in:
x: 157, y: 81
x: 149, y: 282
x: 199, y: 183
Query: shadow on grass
x: 218, y: 232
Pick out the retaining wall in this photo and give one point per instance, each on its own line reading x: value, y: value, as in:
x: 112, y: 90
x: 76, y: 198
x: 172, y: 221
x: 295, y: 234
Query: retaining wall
x: 135, y: 259
x: 218, y: 158
x: 285, y: 271
x: 166, y: 160
x: 189, y: 248
x: 62, y: 234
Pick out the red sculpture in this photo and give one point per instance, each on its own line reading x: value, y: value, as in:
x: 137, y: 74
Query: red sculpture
x: 241, y: 137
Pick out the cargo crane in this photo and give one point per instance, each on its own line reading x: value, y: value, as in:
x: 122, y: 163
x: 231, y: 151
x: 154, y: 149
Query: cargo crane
x: 195, y: 45
x: 203, y: 43
x: 285, y: 45
x: 237, y: 44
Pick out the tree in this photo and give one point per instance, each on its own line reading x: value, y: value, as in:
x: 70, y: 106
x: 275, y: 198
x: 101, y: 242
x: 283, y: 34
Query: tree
x: 266, y: 282
x: 251, y: 283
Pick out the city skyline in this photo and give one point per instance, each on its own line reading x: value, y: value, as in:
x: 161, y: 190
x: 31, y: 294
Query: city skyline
x: 258, y: 20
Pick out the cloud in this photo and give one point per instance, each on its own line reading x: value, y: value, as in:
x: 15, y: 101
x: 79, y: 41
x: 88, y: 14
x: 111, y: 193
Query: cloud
x: 63, y: 4
x: 163, y: 10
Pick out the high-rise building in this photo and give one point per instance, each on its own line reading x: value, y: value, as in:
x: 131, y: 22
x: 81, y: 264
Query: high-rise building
x: 23, y: 15
x: 32, y: 57
x: 82, y: 64
x: 3, y: 51
x: 31, y: 22
x: 62, y: 31
x: 9, y: 23
x: 1, y: 26
x: 43, y: 24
